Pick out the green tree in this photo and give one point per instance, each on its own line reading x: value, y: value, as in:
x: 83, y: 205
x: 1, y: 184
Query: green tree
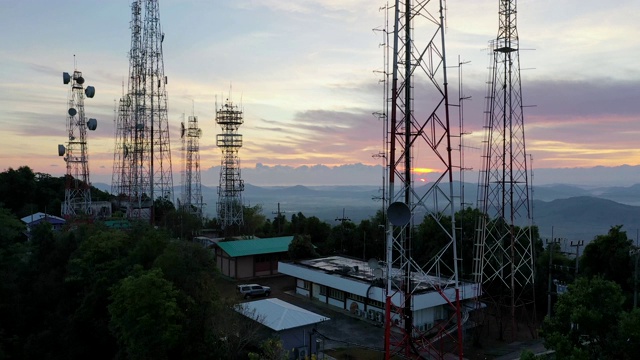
x: 253, y: 219
x: 183, y: 224
x: 145, y: 316
x: 272, y: 349
x: 585, y: 322
x: 527, y: 355
x: 317, y: 230
x: 17, y: 190
x: 12, y: 228
x: 192, y: 270
x: 608, y: 256
x: 630, y: 334
x: 162, y: 207
x: 342, y: 239
x: 301, y: 248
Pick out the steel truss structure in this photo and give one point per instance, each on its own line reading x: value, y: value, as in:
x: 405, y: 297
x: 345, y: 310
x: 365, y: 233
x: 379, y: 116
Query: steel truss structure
x: 420, y: 145
x: 191, y: 199
x: 229, y: 206
x: 142, y: 170
x: 504, y: 259
x: 77, y: 194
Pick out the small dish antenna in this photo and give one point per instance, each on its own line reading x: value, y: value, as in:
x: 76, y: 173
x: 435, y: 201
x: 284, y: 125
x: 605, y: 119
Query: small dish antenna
x: 66, y: 78
x: 92, y: 124
x: 72, y: 112
x: 399, y: 213
x: 61, y: 150
x: 90, y: 91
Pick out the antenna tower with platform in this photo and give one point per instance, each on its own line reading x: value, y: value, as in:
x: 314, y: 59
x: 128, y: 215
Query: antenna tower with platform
x: 229, y: 117
x: 77, y: 193
x: 503, y: 254
x: 420, y: 142
x: 142, y: 170
x: 191, y: 181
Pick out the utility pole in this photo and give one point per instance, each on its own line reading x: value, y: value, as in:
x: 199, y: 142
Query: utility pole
x: 279, y: 219
x: 550, y: 245
x: 577, y: 244
x: 635, y: 252
x: 342, y: 220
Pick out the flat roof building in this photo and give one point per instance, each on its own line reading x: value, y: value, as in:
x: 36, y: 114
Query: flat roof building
x: 353, y: 285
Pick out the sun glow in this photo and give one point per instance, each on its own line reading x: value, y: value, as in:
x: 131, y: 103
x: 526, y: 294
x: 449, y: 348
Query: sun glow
x: 423, y: 170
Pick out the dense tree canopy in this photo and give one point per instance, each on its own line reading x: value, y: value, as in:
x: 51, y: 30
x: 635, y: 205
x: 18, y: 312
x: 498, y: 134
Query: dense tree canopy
x: 586, y: 323
x: 145, y: 316
x: 608, y: 256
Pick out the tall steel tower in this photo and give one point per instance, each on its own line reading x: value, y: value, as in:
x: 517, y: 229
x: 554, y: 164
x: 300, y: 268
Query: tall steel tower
x: 191, y: 183
x: 503, y: 260
x: 420, y: 145
x: 142, y: 160
x: 77, y: 194
x: 229, y: 117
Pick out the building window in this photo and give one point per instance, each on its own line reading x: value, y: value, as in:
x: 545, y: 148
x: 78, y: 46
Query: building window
x: 336, y: 294
x: 303, y: 284
x: 378, y: 304
x: 323, y: 290
x: 355, y: 297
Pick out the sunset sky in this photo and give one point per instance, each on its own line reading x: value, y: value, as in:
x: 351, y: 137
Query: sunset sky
x: 305, y: 73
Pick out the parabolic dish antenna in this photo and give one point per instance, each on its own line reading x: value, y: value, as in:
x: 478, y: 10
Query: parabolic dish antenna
x: 90, y: 91
x: 92, y: 124
x: 61, y: 150
x: 399, y: 213
x: 66, y: 78
x: 377, y: 273
x: 72, y: 112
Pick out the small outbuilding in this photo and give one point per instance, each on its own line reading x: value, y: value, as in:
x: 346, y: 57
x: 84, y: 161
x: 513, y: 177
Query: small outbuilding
x: 245, y: 259
x: 293, y: 325
x: 35, y: 219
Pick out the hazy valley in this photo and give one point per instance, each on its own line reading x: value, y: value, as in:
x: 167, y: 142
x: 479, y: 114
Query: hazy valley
x: 571, y: 212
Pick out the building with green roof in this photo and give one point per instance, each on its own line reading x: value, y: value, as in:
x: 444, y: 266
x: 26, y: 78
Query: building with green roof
x: 245, y: 259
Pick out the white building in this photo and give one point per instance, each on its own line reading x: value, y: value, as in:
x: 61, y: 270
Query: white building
x: 291, y: 324
x: 354, y: 286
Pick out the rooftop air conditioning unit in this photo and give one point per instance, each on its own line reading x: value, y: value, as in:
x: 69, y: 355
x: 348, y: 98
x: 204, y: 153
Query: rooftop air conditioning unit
x: 372, y: 315
x: 379, y: 316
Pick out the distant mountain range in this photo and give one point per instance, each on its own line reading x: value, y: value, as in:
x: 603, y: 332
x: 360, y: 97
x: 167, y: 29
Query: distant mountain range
x: 567, y: 211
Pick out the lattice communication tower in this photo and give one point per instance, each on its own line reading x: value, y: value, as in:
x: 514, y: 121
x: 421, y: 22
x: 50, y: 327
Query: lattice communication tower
x: 229, y: 117
x: 191, y: 181
x: 142, y: 159
x: 420, y: 142
x: 503, y: 260
x: 77, y: 193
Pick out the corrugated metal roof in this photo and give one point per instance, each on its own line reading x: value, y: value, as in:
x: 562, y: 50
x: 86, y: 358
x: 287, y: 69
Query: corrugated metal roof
x: 279, y: 315
x: 256, y: 246
x: 39, y: 216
